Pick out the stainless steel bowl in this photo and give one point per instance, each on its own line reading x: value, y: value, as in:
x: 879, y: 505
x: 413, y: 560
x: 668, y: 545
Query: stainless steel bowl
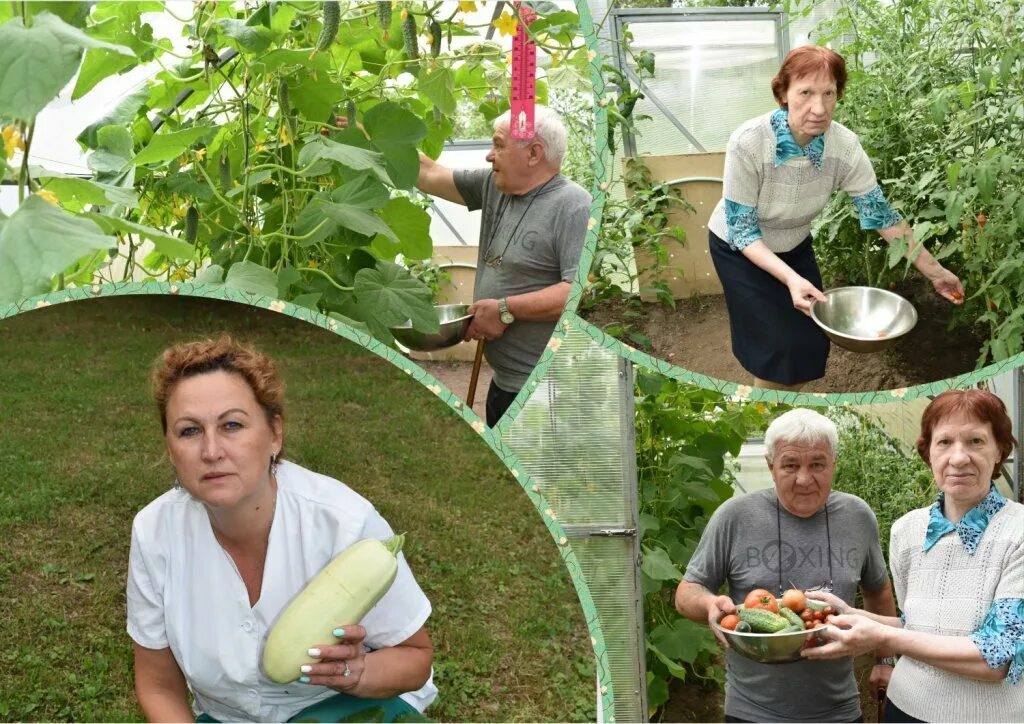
x: 777, y: 648
x: 864, y: 319
x: 454, y: 320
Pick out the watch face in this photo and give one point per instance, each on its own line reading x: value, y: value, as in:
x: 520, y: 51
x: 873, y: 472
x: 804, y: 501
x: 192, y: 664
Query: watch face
x: 507, y: 318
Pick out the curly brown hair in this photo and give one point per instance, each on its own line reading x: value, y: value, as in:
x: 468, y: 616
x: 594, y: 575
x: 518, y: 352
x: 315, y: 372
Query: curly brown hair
x: 189, y: 359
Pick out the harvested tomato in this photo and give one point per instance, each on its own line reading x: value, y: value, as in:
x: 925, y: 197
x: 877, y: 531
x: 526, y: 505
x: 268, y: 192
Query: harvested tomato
x: 760, y: 598
x: 957, y: 296
x: 992, y: 304
x: 729, y: 621
x: 795, y: 600
x: 807, y: 615
x: 982, y: 220
x: 892, y: 286
x: 827, y: 611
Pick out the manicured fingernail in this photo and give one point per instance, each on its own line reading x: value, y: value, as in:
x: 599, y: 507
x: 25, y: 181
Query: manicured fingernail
x: 339, y: 632
x: 303, y: 679
x: 314, y: 653
x: 306, y: 669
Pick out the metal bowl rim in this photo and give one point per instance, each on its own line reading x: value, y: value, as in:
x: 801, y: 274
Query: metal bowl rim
x: 844, y: 335
x: 460, y: 320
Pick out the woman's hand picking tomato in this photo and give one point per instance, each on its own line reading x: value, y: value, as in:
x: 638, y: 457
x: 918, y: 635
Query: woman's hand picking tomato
x: 760, y: 598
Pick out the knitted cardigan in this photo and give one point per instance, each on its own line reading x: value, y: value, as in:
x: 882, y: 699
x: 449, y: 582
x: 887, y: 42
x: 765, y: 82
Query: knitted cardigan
x: 950, y: 592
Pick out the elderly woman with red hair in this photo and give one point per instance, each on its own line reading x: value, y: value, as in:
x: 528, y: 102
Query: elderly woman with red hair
x: 781, y: 169
x: 958, y: 569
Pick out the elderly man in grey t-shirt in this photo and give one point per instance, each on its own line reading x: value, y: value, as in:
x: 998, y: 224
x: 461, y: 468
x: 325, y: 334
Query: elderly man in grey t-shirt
x: 531, y: 236
x: 801, y: 534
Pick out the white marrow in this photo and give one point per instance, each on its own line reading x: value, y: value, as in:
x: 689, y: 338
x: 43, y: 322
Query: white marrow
x: 342, y: 593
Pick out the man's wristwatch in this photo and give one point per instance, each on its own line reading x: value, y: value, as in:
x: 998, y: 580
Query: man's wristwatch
x: 885, y: 661
x: 503, y: 314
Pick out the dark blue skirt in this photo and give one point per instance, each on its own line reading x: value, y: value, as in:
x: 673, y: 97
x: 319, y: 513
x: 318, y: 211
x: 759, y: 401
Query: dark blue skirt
x: 770, y: 339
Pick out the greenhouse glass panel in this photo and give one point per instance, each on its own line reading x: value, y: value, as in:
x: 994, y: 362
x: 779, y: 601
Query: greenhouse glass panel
x: 712, y: 75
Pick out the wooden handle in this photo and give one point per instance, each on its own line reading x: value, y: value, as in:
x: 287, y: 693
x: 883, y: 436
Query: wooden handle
x: 477, y: 360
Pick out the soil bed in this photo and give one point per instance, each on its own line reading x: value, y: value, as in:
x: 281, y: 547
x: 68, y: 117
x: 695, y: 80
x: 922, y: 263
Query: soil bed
x: 695, y: 336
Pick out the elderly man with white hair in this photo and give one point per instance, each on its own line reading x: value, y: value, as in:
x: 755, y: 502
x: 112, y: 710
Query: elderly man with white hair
x: 799, y: 534
x: 531, y: 236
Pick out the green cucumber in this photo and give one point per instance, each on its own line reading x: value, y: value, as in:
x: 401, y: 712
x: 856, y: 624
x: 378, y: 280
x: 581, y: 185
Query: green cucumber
x: 332, y: 19
x: 743, y: 627
x: 762, y: 621
x: 790, y: 616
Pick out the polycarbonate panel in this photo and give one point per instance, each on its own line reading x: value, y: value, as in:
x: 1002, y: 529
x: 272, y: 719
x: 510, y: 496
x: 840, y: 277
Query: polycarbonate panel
x: 575, y: 439
x: 569, y: 435
x: 711, y: 75
x: 608, y: 566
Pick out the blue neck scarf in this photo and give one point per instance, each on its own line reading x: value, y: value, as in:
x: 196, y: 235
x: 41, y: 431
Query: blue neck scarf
x: 970, y: 527
x: 786, y: 146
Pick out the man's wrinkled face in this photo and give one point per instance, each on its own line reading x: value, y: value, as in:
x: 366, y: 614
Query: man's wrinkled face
x: 511, y: 162
x: 803, y: 476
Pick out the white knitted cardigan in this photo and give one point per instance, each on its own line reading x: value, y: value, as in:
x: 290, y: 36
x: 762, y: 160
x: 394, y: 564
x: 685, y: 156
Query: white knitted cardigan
x: 948, y: 591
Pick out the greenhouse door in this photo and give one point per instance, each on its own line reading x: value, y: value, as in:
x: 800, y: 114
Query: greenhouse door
x: 575, y: 439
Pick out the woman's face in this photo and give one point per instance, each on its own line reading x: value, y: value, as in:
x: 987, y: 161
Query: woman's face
x: 811, y: 101
x: 219, y: 439
x: 963, y: 454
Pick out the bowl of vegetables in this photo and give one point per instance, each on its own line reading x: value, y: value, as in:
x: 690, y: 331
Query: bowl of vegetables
x: 453, y: 319
x: 774, y: 630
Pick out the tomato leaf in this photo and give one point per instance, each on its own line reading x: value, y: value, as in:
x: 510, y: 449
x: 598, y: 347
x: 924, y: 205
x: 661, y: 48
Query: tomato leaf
x: 40, y: 240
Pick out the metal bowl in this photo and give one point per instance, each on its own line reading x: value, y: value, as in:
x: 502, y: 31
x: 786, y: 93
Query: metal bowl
x: 864, y: 319
x: 454, y: 320
x: 777, y: 648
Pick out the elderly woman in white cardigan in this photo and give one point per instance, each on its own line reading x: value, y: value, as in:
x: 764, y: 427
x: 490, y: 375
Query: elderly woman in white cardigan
x: 781, y: 169
x: 958, y: 568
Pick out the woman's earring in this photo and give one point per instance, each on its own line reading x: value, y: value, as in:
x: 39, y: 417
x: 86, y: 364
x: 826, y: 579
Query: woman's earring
x: 177, y: 484
x: 273, y: 464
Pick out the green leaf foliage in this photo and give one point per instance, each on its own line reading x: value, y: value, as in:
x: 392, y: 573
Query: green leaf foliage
x: 168, y: 146
x: 250, y: 277
x: 38, y: 241
x: 36, y: 62
x: 396, y: 296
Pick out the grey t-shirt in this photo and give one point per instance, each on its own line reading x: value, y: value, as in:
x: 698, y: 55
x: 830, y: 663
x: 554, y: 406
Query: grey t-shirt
x: 539, y: 237
x: 741, y: 546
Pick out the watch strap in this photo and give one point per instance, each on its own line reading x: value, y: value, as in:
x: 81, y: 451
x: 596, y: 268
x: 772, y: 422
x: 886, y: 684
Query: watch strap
x: 885, y: 661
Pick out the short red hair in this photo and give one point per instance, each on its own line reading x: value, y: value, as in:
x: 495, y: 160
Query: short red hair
x: 809, y: 60
x: 980, y: 405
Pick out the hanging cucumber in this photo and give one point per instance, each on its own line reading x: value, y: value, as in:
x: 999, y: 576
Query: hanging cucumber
x: 384, y: 15
x: 191, y: 224
x: 409, y: 35
x: 332, y: 19
x: 435, y: 38
x: 225, y: 171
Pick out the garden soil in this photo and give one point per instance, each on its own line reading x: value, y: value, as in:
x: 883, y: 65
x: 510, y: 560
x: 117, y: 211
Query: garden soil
x: 695, y: 336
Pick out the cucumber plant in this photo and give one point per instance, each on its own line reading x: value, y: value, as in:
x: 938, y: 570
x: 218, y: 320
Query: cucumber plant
x: 228, y: 166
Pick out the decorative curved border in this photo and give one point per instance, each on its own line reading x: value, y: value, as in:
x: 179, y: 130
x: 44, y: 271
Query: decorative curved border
x: 213, y: 291
x: 601, y: 166
x: 748, y: 392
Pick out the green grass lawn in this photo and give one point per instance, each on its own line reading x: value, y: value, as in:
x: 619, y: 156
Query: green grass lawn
x: 81, y: 452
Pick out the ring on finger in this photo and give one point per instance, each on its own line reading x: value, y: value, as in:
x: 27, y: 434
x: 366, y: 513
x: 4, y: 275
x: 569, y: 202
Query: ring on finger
x: 347, y: 671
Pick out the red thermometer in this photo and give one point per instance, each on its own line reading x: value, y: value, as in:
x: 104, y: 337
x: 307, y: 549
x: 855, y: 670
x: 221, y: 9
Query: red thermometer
x: 524, y: 77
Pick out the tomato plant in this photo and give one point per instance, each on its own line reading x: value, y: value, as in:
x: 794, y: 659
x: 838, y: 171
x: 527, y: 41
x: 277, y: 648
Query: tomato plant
x: 937, y: 107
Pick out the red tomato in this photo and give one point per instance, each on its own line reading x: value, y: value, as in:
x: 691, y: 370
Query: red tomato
x: 982, y: 220
x: 795, y: 600
x: 729, y: 621
x: 760, y: 598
